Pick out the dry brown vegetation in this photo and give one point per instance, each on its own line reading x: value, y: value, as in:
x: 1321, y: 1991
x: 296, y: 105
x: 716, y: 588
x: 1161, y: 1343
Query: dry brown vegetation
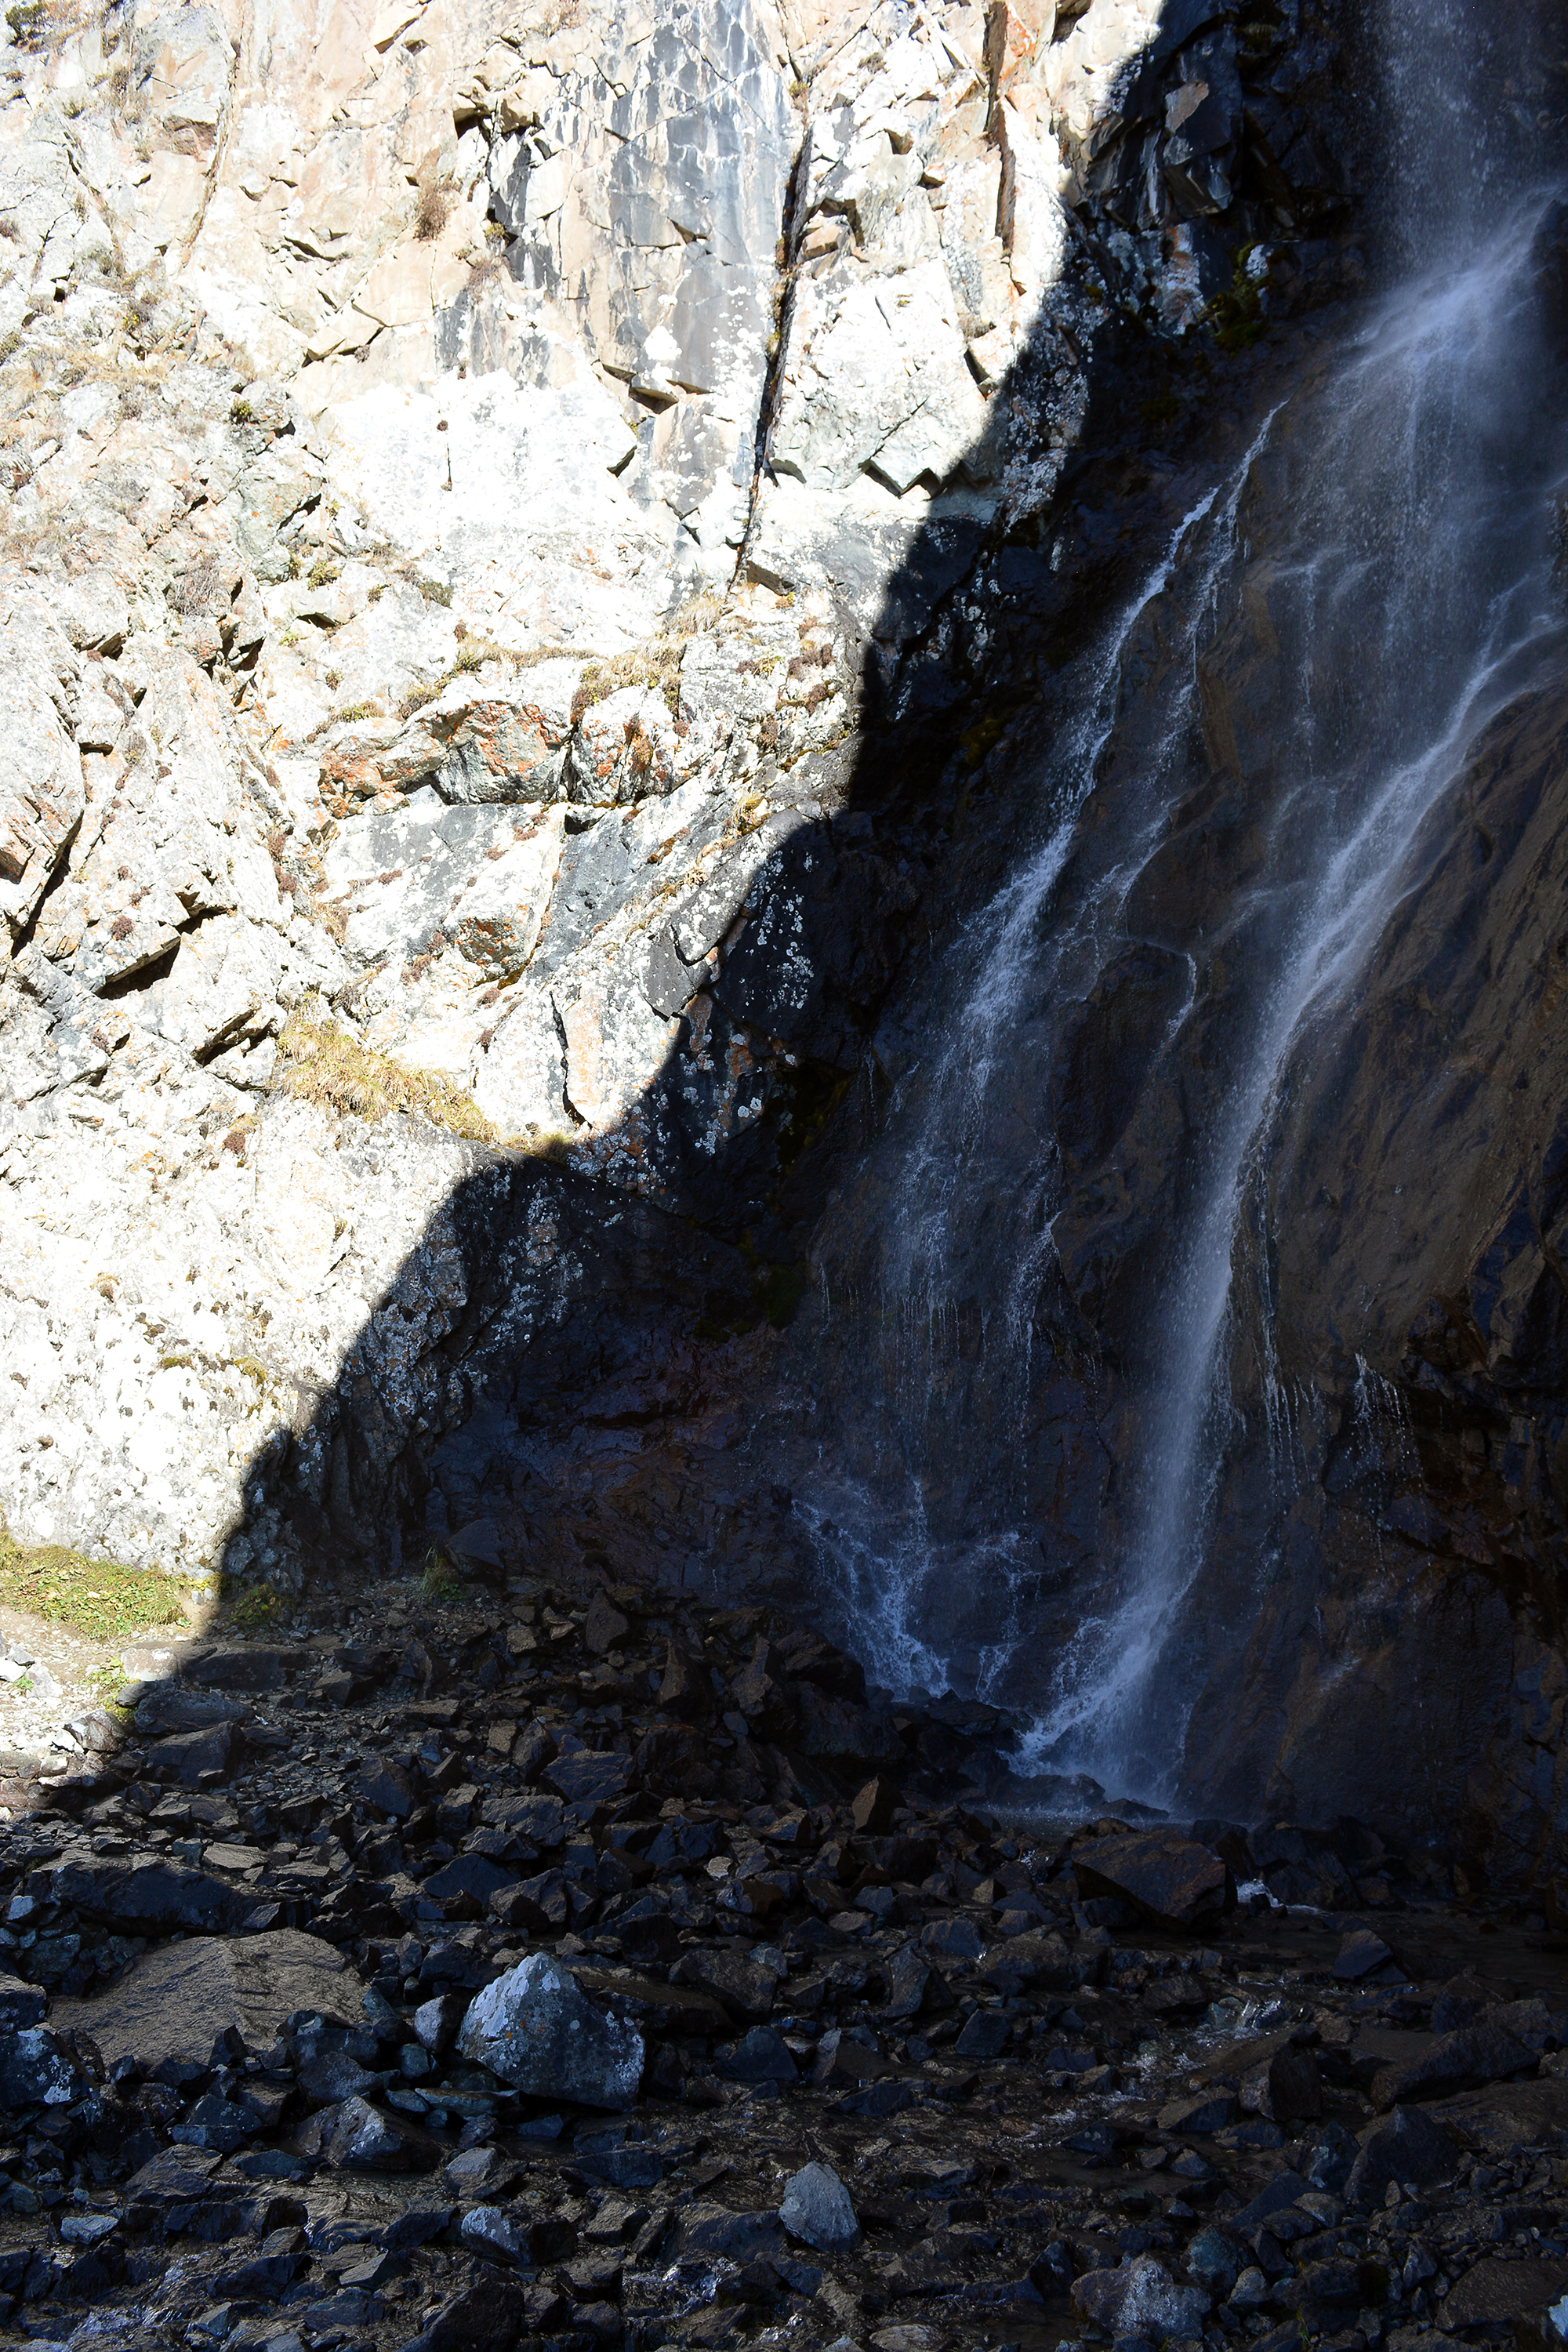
x: 321, y: 1063
x: 657, y: 664
x: 433, y: 209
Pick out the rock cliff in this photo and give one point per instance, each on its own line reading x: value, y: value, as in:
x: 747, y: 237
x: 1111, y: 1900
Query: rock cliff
x: 543, y: 545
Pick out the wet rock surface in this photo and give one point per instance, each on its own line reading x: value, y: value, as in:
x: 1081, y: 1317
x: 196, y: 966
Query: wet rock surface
x: 828, y: 2054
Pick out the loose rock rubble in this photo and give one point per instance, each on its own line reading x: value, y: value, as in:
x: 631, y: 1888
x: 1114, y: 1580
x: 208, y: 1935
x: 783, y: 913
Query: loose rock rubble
x: 523, y: 1966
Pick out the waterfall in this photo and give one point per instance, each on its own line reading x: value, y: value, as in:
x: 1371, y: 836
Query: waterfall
x: 1384, y: 543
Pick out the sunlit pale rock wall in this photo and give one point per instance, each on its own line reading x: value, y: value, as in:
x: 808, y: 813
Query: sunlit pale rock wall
x: 368, y: 374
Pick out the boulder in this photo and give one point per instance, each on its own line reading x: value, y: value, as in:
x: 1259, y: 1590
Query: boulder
x: 1214, y: 2263
x: 174, y: 2002
x: 1360, y: 1953
x: 496, y: 2235
x: 1141, y: 2298
x: 534, y: 2029
x: 487, y: 2317
x: 759, y: 2057
x: 1285, y: 2088
x: 816, y: 2207
x: 587, y: 1778
x: 192, y: 1760
x: 21, y: 2004
x: 171, y: 1709
x: 1484, y: 2052
x: 1169, y: 1877
x: 147, y: 1899
x: 1210, y: 2111
x: 1406, y: 2147
x: 386, y: 1787
x: 746, y: 1989
x: 709, y: 2228
x: 1498, y: 2296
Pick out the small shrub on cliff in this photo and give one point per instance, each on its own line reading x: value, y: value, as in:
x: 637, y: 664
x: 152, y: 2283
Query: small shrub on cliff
x: 28, y: 21
x: 101, y: 1597
x: 323, y: 1063
x: 434, y: 208
x: 440, y: 1583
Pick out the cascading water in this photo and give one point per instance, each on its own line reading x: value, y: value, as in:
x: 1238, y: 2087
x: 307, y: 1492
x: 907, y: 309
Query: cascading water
x: 1383, y: 554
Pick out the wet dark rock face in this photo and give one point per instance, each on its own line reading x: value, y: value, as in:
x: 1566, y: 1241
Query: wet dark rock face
x: 730, y: 1387
x: 553, y: 1967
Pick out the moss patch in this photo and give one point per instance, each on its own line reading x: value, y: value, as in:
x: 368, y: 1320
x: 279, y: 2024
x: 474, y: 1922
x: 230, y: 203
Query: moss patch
x: 255, y: 1607
x: 99, y: 1598
x: 322, y: 1064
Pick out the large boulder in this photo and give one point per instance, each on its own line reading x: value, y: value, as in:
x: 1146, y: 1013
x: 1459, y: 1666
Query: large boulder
x: 1169, y: 1877
x: 1483, y: 2053
x: 174, y: 2002
x: 534, y: 2029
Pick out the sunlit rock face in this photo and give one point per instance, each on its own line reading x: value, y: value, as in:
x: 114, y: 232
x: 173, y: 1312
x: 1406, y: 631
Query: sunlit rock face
x: 556, y: 562
x: 460, y: 470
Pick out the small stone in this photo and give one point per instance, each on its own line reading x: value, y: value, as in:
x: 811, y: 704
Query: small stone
x: 489, y: 2231
x: 985, y: 2036
x: 364, y: 2140
x: 472, y: 2170
x: 88, y: 2229
x: 436, y: 2022
x: 816, y: 2208
x: 35, y: 2071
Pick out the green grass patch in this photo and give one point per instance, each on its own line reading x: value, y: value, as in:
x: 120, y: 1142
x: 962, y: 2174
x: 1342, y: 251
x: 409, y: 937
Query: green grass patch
x: 440, y: 1584
x: 102, y: 1599
x: 257, y: 1607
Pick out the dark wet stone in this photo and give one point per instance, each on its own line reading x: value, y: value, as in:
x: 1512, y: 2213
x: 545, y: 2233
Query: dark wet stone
x: 587, y: 1779
x: 1165, y: 1875
x: 1404, y: 2147
x: 1360, y: 1953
